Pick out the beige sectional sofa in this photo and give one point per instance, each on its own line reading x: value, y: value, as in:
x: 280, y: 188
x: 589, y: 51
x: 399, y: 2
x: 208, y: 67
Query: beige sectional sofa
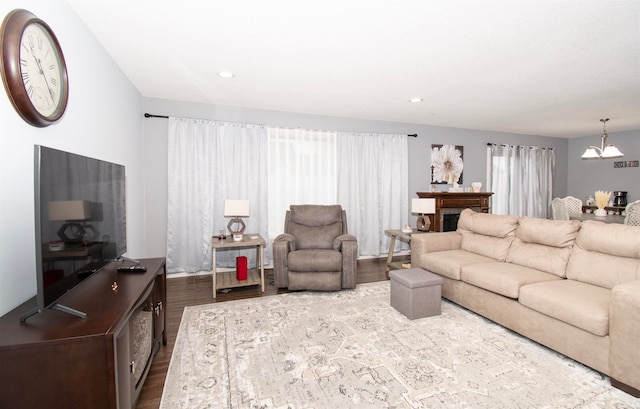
x: 571, y: 286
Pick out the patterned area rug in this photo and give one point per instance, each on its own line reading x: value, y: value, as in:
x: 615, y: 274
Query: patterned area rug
x: 350, y: 349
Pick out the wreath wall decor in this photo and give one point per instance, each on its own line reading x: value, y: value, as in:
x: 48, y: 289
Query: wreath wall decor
x: 446, y: 164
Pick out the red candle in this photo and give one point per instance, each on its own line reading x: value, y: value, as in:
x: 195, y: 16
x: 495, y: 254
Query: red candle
x: 241, y: 268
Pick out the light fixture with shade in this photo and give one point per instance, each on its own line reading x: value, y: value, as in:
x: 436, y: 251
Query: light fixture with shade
x: 604, y: 151
x: 236, y: 209
x: 423, y: 207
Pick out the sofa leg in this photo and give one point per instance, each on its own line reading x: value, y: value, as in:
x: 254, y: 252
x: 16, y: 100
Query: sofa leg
x: 625, y: 388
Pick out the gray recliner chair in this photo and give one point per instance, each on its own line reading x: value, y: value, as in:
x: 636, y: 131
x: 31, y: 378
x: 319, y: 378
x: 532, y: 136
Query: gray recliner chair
x: 315, y: 252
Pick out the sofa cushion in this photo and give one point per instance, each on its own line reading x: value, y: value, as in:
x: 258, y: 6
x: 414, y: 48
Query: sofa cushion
x: 503, y: 278
x: 448, y: 263
x: 605, y: 254
x: 582, y: 305
x: 544, y: 244
x: 315, y: 260
x: 489, y: 235
x: 615, y: 239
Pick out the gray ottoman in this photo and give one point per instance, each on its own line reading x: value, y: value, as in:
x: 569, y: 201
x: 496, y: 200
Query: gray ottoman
x: 415, y: 292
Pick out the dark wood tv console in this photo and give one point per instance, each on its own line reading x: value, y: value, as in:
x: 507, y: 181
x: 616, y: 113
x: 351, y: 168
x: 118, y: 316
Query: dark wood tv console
x: 57, y: 360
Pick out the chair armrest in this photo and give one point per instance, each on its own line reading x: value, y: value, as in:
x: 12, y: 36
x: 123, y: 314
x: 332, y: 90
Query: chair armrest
x: 347, y: 244
x: 340, y: 241
x: 624, y: 330
x: 287, y: 239
x: 431, y: 242
x: 282, y: 246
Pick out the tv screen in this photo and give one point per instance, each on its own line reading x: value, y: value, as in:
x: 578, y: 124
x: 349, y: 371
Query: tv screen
x: 80, y: 219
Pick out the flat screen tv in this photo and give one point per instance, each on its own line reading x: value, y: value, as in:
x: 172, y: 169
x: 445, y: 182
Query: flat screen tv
x: 80, y: 222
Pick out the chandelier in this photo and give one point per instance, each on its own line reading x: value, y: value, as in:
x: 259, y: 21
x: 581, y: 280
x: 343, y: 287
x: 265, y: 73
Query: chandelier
x: 603, y: 152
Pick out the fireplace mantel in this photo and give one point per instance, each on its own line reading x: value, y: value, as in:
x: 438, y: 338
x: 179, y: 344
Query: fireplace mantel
x: 452, y: 203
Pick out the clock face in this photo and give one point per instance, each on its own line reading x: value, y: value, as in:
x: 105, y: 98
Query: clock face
x: 34, y: 72
x: 41, y: 69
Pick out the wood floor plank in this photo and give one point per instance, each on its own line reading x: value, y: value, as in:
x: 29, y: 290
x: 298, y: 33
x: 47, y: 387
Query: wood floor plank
x: 197, y: 290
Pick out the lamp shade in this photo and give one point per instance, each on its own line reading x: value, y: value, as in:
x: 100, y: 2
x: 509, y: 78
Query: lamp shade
x: 590, y: 153
x: 423, y: 206
x: 611, y: 152
x: 69, y: 210
x: 236, y: 208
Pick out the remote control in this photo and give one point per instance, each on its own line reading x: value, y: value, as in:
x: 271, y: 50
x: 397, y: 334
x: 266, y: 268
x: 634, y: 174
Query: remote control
x: 132, y: 269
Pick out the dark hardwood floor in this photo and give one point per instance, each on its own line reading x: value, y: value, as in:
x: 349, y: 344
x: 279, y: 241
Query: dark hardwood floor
x: 185, y: 291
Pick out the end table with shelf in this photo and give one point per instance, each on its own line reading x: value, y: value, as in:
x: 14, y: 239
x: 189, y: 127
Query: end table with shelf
x: 397, y: 265
x: 227, y: 279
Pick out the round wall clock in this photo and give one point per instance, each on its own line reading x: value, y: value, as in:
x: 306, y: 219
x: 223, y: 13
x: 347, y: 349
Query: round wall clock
x: 34, y: 72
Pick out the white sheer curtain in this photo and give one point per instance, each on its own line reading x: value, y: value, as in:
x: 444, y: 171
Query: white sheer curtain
x: 373, y: 186
x: 521, y: 178
x: 209, y: 162
x: 302, y: 170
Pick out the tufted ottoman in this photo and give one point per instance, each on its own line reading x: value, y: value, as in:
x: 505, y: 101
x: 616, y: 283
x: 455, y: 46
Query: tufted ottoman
x: 415, y: 292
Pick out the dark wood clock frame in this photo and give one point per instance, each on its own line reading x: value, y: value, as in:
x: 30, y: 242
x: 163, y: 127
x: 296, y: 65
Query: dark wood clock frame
x: 11, y: 32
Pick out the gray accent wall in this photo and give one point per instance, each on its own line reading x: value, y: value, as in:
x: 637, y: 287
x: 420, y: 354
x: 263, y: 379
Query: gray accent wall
x: 103, y: 120
x: 473, y: 141
x: 587, y: 176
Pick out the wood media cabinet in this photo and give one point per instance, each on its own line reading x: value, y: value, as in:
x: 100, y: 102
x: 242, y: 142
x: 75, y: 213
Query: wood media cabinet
x: 57, y: 360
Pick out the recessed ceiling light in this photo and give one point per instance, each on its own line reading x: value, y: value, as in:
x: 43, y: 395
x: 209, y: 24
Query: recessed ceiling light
x: 226, y: 74
x: 416, y: 99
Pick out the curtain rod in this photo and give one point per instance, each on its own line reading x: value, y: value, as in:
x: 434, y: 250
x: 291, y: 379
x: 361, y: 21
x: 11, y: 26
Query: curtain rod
x: 147, y: 115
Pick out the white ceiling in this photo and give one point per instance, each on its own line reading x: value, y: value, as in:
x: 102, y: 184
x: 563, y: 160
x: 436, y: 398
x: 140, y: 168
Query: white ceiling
x: 542, y: 67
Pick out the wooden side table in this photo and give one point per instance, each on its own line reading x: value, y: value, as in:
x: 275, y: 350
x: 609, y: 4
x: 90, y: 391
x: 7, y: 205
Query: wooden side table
x: 228, y: 279
x: 396, y: 265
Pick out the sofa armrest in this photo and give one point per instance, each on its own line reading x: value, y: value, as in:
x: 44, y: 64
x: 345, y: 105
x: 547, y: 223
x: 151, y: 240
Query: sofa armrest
x: 624, y: 330
x: 347, y: 244
x: 282, y: 245
x: 431, y: 242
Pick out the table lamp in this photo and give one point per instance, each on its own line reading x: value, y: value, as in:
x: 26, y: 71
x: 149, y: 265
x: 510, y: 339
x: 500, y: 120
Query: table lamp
x: 70, y: 211
x: 423, y: 207
x: 236, y: 209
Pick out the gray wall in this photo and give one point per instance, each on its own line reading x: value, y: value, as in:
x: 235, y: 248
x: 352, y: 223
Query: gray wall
x: 103, y: 120
x: 587, y: 176
x: 474, y: 143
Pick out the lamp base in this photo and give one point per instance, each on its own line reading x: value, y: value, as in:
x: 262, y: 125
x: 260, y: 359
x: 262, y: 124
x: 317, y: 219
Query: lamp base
x: 232, y: 228
x: 71, y: 232
x: 423, y: 223
x: 237, y: 236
